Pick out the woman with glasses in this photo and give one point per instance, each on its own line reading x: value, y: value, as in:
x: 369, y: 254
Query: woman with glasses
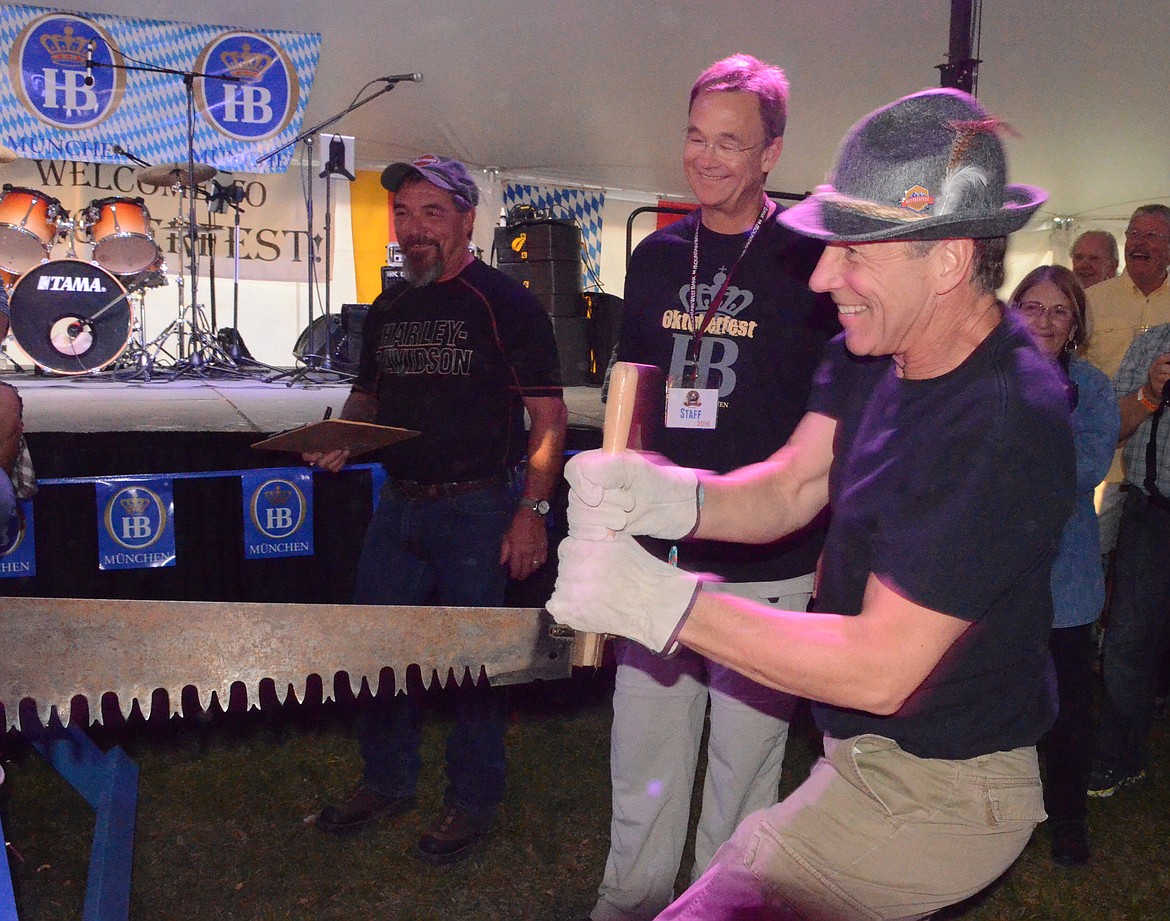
x: 1051, y: 303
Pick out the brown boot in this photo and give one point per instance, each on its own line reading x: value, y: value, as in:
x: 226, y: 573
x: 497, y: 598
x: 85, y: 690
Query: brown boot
x: 360, y: 808
x: 455, y: 834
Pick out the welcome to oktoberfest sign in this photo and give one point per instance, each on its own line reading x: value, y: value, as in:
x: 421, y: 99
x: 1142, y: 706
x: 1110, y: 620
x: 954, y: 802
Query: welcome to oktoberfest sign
x: 78, y: 85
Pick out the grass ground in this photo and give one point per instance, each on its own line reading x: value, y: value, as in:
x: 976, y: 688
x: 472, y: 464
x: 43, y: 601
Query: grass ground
x: 224, y: 833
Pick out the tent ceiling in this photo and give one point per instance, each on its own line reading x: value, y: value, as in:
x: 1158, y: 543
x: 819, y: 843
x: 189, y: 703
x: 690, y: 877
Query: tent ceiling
x: 594, y: 92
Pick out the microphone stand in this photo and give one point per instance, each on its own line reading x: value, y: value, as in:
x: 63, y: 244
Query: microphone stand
x: 222, y: 198
x: 192, y: 360
x: 332, y: 168
x: 312, y: 362
x: 204, y: 353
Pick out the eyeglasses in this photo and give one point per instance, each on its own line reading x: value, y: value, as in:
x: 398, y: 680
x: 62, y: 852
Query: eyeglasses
x: 1034, y: 310
x: 1146, y: 235
x: 723, y: 150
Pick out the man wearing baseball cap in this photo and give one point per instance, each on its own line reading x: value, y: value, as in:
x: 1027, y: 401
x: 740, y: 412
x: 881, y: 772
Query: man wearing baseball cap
x: 457, y: 352
x: 939, y: 436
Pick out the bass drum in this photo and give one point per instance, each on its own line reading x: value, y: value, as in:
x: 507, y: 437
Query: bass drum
x: 70, y: 316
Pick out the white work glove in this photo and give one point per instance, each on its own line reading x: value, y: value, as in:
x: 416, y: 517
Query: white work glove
x: 630, y: 493
x: 614, y: 586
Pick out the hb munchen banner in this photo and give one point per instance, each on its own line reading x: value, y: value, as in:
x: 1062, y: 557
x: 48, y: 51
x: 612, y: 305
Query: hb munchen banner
x: 278, y: 513
x: 18, y: 543
x: 79, y: 86
x: 136, y: 528
x: 88, y: 102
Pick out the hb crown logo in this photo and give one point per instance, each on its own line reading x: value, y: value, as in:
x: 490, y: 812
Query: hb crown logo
x: 65, y: 50
x: 261, y: 99
x: 48, y: 68
x: 245, y: 64
x: 135, y: 517
x: 277, y: 508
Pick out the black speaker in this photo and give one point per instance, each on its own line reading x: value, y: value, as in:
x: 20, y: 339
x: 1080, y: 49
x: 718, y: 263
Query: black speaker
x: 353, y: 320
x: 536, y: 240
x: 572, y: 335
x: 391, y: 275
x: 605, y: 325
x: 548, y: 276
x: 310, y: 345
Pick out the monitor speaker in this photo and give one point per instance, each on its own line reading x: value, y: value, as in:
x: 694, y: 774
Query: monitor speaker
x: 344, y: 338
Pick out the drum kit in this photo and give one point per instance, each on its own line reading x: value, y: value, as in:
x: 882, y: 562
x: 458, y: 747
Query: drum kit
x: 72, y: 316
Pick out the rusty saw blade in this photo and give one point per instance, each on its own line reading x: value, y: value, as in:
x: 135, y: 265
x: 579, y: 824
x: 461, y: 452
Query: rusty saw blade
x: 58, y: 648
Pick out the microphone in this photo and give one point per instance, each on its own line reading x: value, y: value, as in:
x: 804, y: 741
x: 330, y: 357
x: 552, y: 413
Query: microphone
x: 89, y: 49
x: 123, y: 152
x: 400, y: 78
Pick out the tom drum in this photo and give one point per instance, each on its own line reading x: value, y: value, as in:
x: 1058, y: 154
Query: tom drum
x: 28, y: 227
x: 121, y: 235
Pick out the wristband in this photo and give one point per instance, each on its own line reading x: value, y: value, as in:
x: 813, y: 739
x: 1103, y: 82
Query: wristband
x: 1149, y: 404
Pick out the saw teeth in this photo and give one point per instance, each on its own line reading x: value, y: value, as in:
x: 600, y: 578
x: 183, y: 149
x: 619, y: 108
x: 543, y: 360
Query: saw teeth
x: 159, y: 657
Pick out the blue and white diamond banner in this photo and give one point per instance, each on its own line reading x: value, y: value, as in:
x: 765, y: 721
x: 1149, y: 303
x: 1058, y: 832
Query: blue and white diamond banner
x: 581, y: 206
x: 278, y: 513
x: 77, y: 86
x: 136, y: 523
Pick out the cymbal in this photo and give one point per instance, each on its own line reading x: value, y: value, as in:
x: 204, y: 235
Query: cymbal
x: 7, y: 154
x: 168, y: 174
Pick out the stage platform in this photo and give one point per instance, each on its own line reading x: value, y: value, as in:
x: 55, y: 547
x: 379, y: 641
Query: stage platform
x: 246, y: 409
x: 98, y: 403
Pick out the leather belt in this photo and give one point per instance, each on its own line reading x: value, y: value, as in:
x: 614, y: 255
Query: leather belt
x: 413, y: 490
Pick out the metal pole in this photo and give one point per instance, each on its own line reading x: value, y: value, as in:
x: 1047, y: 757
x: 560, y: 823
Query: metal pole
x: 962, y: 68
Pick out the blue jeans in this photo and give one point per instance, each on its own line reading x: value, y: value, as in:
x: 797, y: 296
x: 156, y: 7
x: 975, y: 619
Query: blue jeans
x: 1135, y: 634
x: 446, y: 551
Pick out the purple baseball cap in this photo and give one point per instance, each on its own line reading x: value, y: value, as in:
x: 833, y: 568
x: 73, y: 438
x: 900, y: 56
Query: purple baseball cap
x: 442, y: 172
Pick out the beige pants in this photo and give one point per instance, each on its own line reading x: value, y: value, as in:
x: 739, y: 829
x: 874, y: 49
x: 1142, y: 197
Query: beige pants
x: 873, y: 834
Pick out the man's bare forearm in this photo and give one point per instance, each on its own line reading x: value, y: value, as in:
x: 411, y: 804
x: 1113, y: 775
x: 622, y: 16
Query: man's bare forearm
x: 546, y: 444
x: 771, y: 499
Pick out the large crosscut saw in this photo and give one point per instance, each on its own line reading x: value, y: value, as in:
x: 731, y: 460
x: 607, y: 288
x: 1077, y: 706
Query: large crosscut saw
x: 58, y: 648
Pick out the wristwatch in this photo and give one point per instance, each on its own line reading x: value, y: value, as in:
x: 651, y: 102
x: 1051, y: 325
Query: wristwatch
x: 540, y: 506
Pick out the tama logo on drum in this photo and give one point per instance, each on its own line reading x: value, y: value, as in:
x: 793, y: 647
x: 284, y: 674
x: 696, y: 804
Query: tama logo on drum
x: 68, y: 283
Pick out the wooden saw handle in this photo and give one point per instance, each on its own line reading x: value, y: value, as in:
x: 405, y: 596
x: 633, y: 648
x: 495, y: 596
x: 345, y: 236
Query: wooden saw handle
x: 635, y: 392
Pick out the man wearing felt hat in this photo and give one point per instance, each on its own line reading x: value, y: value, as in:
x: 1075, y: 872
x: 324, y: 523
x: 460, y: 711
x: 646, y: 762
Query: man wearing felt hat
x: 939, y: 437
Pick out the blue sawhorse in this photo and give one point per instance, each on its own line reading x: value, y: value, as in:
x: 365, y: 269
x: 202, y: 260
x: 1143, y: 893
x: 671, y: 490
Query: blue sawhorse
x: 108, y: 781
x: 7, y: 896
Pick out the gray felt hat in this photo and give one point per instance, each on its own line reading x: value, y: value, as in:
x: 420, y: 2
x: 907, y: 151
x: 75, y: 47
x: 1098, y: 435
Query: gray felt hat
x: 443, y: 172
x: 927, y: 167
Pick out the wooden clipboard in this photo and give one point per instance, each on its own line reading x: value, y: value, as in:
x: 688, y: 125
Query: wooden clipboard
x: 334, y: 435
